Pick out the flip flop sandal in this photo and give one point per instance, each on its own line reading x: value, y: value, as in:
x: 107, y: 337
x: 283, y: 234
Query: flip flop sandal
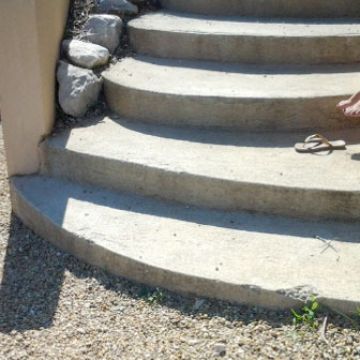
x: 315, y: 143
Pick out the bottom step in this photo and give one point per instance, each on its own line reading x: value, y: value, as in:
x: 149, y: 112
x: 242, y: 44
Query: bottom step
x: 255, y: 259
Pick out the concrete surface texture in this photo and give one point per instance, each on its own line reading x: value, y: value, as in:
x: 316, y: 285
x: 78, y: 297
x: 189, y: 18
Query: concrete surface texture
x: 258, y: 172
x: 270, y: 261
x: 230, y: 96
x: 236, y: 39
x: 120, y: 193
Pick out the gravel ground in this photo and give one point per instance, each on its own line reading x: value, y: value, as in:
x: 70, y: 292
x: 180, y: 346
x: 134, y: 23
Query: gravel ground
x: 53, y: 306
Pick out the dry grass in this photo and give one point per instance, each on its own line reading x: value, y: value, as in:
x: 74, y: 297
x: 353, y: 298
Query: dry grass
x: 78, y: 14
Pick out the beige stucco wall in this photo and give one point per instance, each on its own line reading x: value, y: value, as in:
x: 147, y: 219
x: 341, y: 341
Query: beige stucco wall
x: 30, y: 34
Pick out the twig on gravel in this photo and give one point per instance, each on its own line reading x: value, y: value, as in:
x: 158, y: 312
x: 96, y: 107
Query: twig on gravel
x: 323, y: 329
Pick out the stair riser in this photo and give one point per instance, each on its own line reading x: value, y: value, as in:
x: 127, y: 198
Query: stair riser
x: 269, y: 8
x: 245, y: 49
x: 200, y: 190
x: 243, y: 114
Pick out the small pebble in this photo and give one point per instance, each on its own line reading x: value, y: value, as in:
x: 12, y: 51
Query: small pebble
x: 220, y: 349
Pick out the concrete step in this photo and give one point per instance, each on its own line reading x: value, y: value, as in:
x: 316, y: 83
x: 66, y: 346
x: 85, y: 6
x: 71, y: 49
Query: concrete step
x: 256, y: 41
x: 249, y: 98
x: 214, y: 169
x: 268, y: 8
x: 241, y: 257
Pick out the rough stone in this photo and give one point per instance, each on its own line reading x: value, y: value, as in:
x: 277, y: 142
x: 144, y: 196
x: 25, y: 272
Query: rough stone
x: 78, y: 89
x: 116, y: 6
x: 104, y: 30
x: 86, y: 54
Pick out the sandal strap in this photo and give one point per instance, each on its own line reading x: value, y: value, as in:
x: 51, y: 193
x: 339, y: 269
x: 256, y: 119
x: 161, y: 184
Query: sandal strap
x: 317, y: 139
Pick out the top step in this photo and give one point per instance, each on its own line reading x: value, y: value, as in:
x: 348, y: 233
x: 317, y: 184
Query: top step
x: 245, y: 40
x: 268, y: 8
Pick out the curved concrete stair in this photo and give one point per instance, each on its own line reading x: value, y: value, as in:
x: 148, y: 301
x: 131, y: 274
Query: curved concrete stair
x: 256, y: 41
x: 254, y: 259
x: 292, y: 74
x: 258, y: 172
x: 268, y: 8
x: 237, y: 96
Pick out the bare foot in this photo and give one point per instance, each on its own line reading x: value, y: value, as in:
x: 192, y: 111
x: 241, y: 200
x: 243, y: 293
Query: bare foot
x: 349, y: 102
x: 353, y: 110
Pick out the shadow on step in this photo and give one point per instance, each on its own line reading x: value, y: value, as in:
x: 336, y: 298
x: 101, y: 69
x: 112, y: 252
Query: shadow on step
x: 62, y: 193
x: 241, y: 221
x: 32, y: 278
x: 212, y: 136
x: 234, y: 137
x: 270, y: 20
x: 231, y: 68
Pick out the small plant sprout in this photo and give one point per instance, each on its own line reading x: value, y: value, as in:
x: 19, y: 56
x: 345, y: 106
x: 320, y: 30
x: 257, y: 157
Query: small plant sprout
x: 155, y: 297
x: 308, y: 314
x: 357, y: 314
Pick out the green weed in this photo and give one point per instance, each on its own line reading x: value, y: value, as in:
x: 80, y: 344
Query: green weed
x: 154, y: 297
x: 307, y: 315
